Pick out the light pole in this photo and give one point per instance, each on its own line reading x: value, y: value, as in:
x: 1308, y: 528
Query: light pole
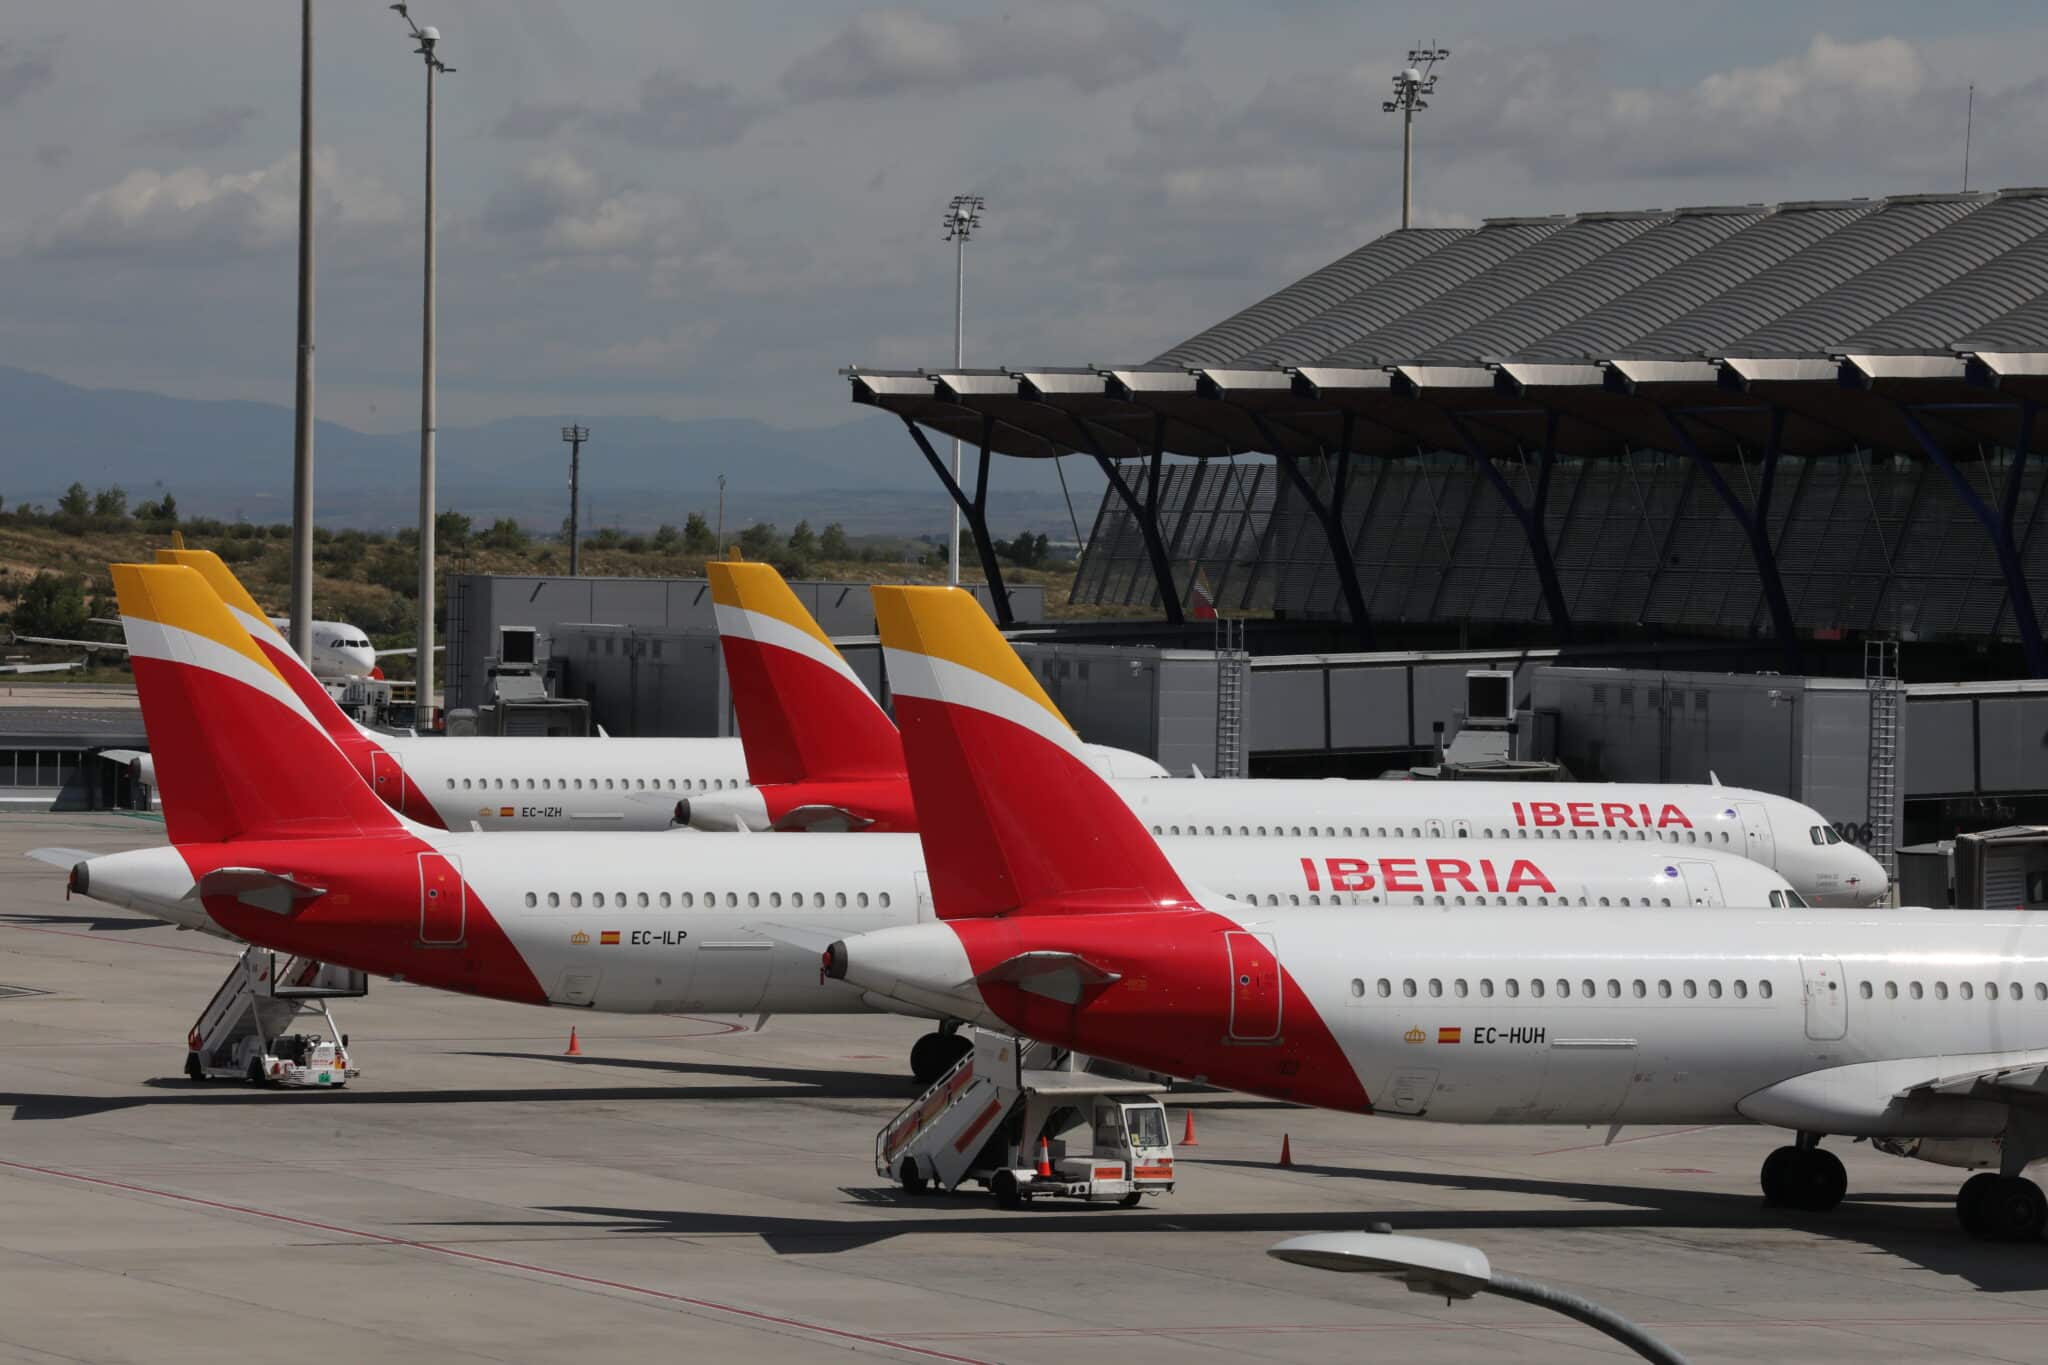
x: 429, y: 38
x: 1414, y: 81
x: 1459, y: 1272
x: 575, y: 436
x: 302, y: 401
x: 963, y: 216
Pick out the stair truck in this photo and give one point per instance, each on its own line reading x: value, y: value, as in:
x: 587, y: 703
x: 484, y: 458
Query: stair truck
x: 1027, y: 1121
x: 242, y: 1035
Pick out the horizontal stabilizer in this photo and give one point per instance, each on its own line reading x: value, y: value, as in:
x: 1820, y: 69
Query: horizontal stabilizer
x: 822, y: 819
x: 799, y: 936
x: 66, y: 858
x: 277, y: 892
x: 1064, y: 977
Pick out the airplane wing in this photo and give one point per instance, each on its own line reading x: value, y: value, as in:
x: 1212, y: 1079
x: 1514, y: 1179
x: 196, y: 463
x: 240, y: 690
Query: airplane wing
x: 42, y: 668
x: 66, y: 858
x: 410, y: 649
x: 2026, y: 1079
x: 116, y: 646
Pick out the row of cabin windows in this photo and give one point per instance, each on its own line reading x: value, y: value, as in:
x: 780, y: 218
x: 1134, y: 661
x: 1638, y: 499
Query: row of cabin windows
x: 1562, y: 988
x: 699, y: 784
x: 1669, y: 836
x: 709, y: 900
x: 1780, y: 900
x: 1967, y: 990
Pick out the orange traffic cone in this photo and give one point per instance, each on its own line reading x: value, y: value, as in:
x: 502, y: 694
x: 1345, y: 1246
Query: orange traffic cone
x: 1187, y: 1139
x: 1044, y: 1159
x: 574, y: 1050
x: 1286, y: 1151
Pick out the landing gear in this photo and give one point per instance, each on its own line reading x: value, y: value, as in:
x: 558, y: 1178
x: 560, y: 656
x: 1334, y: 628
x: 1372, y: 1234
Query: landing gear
x: 193, y: 1070
x: 910, y: 1177
x: 1804, y: 1177
x: 933, y: 1055
x: 2002, y: 1208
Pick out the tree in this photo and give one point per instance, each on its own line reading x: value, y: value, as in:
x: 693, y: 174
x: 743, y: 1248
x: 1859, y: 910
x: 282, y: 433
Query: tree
x: 504, y: 535
x: 451, y: 532
x: 168, y: 509
x: 51, y: 604
x: 697, y: 537
x: 667, y: 538
x: 803, y: 542
x: 833, y: 544
x: 76, y: 502
x: 759, y: 541
x: 110, y: 503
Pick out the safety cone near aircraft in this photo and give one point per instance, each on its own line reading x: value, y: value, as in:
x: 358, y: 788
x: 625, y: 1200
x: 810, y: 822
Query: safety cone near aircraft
x: 1059, y: 919
x: 278, y: 842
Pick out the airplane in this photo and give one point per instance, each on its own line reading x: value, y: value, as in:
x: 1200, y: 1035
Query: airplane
x: 772, y: 643
x: 340, y: 651
x: 276, y: 841
x: 1925, y: 1031
x: 519, y: 782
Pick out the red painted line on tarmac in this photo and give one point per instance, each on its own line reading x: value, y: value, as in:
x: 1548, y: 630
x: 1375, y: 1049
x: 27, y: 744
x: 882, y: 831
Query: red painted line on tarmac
x: 1312, y: 1328
x: 106, y: 938
x: 750, y: 1314
x: 1618, y: 1142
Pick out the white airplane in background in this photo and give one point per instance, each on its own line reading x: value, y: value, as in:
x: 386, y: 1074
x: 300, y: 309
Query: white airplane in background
x: 1925, y: 1031
x: 276, y: 841
x: 527, y: 782
x: 340, y: 651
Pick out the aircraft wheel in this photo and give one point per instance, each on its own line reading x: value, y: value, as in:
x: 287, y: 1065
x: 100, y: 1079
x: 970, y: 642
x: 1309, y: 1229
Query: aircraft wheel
x: 954, y: 1048
x: 1970, y: 1201
x: 255, y: 1073
x: 2013, y: 1210
x: 194, y: 1072
x: 1776, y: 1176
x: 1008, y: 1195
x: 1819, y: 1181
x: 910, y: 1177
x: 927, y: 1058
x: 1129, y: 1201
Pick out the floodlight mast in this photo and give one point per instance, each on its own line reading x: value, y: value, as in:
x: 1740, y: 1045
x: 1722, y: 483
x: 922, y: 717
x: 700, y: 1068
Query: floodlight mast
x: 429, y: 40
x: 1411, y: 84
x: 575, y: 436
x: 301, y: 617
x: 963, y: 216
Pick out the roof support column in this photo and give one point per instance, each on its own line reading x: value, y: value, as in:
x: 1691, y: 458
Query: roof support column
x: 1997, y: 523
x: 1146, y: 513
x: 1533, y: 518
x: 1331, y: 515
x: 1755, y: 524
x: 976, y: 511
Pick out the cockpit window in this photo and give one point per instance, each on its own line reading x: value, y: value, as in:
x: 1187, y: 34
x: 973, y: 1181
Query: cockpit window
x: 1833, y: 837
x: 1777, y: 900
x: 1796, y: 901
x: 1814, y: 834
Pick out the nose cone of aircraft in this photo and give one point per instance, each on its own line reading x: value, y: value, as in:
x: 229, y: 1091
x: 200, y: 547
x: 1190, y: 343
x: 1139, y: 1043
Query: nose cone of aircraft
x: 362, y: 663
x: 1871, y: 885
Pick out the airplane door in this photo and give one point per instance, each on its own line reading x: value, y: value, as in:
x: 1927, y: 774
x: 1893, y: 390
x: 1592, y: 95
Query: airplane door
x: 1409, y: 1092
x: 1254, y: 987
x: 1462, y: 828
x: 1756, y: 833
x: 924, y: 898
x: 388, y: 778
x: 1702, y: 883
x: 1827, y: 998
x: 443, y: 900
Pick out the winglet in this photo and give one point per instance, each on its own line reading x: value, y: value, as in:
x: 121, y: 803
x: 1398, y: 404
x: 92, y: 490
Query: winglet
x: 1012, y: 816
x: 804, y: 715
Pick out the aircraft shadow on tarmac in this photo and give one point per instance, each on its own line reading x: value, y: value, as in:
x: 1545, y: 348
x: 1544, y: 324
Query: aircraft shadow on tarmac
x: 84, y: 923
x: 1911, y: 1226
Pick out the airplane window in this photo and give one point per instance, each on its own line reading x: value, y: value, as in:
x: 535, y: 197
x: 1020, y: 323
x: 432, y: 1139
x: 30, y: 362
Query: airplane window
x: 1173, y: 830
x: 597, y: 899
x: 1347, y: 831
x: 1966, y: 991
x: 883, y: 900
x: 1941, y: 990
x: 2012, y: 991
x: 1665, y: 901
x: 532, y: 899
x: 1486, y: 987
x: 451, y: 784
x: 1891, y: 990
x: 1436, y: 987
x: 643, y: 900
x: 579, y: 784
x: 1833, y: 837
x: 1521, y: 900
x: 1991, y: 990
x: 1408, y: 987
x: 1457, y: 900
x: 1713, y: 990
x: 465, y: 784
x: 1663, y: 990
x: 1564, y: 989
x: 1156, y: 829
x: 554, y: 899
x: 861, y: 900
x: 1763, y: 989
x: 686, y: 899
x: 1536, y: 988
x: 1724, y: 836
x: 1913, y: 989
x: 1297, y: 831
x: 1603, y: 900
x: 664, y: 900
x: 576, y: 900
x: 1512, y: 987
x: 1586, y: 988
x: 1357, y: 987
x: 775, y: 900
x: 499, y: 783
x: 1607, y: 834
x: 1208, y: 829
x: 1386, y: 988
x: 640, y: 784
x: 1439, y: 900
x: 1863, y: 989
x: 1459, y: 988
x: 607, y: 784
x: 1813, y: 833
x: 2041, y: 990
x: 1639, y: 989
x: 1691, y: 990
x: 1741, y: 990
x: 839, y: 900
x: 753, y: 900
x: 1262, y: 831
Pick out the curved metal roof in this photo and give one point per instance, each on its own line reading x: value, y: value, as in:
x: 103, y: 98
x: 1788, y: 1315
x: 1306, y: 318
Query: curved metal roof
x: 1976, y: 298
x: 1237, y: 336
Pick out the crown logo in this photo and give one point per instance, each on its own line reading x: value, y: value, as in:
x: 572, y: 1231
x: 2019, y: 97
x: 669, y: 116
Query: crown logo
x: 1414, y: 1035
x: 579, y: 937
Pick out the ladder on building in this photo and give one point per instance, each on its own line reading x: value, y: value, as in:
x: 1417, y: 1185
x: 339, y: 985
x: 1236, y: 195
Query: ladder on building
x: 1232, y: 663
x: 242, y: 1032
x: 1881, y: 677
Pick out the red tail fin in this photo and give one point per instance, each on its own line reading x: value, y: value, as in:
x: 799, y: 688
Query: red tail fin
x: 1012, y: 816
x: 238, y: 755
x: 803, y: 714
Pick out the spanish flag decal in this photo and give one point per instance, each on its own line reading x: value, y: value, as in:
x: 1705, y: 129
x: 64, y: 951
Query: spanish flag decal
x: 608, y: 936
x: 505, y: 812
x: 1450, y: 1035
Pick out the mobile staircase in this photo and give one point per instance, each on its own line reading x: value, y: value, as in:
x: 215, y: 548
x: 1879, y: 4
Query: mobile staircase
x: 242, y: 1034
x: 999, y: 1118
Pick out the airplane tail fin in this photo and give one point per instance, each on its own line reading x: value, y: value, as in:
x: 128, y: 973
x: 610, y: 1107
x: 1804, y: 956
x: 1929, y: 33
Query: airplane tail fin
x: 803, y: 714
x: 1011, y: 814
x: 238, y: 754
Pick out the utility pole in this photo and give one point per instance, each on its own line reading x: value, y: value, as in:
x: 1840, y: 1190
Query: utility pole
x: 1413, y: 82
x: 429, y: 38
x: 575, y: 436
x: 718, y: 536
x: 1969, y: 127
x: 301, y: 626
x: 963, y: 216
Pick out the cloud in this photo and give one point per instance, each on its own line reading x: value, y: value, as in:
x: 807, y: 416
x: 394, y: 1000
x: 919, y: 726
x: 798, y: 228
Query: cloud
x: 670, y: 110
x: 52, y: 156
x: 895, y: 51
x: 190, y: 212
x: 25, y: 67
x: 560, y: 206
x: 217, y: 127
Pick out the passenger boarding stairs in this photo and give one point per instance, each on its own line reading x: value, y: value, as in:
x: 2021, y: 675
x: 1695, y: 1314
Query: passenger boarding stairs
x: 264, y: 993
x: 945, y: 1130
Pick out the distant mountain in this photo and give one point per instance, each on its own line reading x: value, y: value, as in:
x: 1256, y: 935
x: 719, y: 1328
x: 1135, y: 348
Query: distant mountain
x: 233, y: 459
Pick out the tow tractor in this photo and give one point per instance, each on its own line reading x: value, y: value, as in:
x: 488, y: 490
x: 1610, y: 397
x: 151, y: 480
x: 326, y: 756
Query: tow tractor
x: 241, y: 1036
x: 1001, y: 1118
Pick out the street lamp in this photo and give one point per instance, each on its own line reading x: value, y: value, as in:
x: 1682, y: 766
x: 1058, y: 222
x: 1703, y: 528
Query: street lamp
x: 575, y: 436
x: 1458, y: 1272
x: 301, y: 615
x: 963, y: 216
x: 1411, y: 83
x: 429, y: 39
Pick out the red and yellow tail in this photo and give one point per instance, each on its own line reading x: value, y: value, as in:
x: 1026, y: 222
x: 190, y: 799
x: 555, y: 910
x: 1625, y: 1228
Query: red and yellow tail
x: 243, y: 608
x: 1012, y: 815
x: 803, y: 714
x: 238, y: 753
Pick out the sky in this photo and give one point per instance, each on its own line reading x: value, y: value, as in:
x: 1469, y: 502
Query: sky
x: 693, y: 210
